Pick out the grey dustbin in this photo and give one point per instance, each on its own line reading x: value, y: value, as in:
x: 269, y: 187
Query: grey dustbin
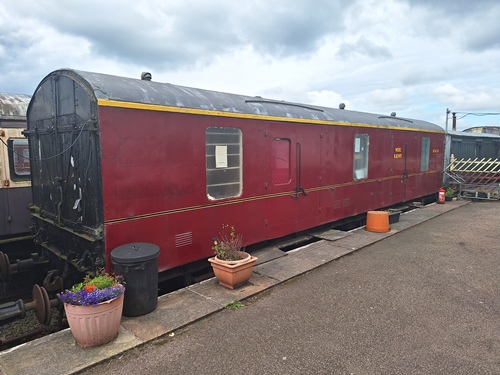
x: 138, y: 264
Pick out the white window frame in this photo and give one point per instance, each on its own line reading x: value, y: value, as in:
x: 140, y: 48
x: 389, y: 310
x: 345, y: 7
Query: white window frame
x: 224, y: 162
x: 361, y: 156
x: 426, y: 152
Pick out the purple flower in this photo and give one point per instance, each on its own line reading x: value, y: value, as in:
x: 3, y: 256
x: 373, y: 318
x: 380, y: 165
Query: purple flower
x: 84, y: 298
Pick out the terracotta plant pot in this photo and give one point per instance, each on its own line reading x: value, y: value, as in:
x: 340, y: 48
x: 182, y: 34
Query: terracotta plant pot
x: 377, y: 221
x: 95, y: 325
x: 233, y: 273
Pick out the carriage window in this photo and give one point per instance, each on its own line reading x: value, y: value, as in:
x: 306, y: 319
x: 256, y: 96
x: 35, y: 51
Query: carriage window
x: 280, y: 161
x: 360, y: 164
x: 426, y: 149
x: 19, y: 159
x: 224, y: 153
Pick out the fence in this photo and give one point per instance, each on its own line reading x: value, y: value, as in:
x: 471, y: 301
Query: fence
x: 476, y: 178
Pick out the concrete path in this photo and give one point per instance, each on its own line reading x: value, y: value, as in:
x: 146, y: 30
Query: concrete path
x: 419, y: 301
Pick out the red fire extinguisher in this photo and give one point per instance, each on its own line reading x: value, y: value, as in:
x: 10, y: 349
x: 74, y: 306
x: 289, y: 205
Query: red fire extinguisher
x: 441, y: 193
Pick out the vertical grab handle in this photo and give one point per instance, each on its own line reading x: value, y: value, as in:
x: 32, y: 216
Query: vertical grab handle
x: 299, y: 189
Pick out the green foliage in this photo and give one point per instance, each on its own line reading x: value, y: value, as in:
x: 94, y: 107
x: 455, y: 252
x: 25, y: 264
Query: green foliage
x: 449, y: 192
x: 101, y: 281
x: 75, y: 288
x: 235, y: 305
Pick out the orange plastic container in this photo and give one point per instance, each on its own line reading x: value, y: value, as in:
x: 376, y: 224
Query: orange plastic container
x: 377, y: 221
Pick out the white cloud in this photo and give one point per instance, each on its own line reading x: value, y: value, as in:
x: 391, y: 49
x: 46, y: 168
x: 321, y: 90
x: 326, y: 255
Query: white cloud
x: 326, y: 98
x: 469, y: 99
x: 388, y: 98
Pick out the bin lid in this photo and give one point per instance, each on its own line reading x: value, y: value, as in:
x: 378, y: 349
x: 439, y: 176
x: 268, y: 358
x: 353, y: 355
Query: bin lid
x: 135, y: 252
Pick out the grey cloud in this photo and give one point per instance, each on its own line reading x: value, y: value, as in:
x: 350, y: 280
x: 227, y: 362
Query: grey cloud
x: 13, y: 43
x: 173, y: 34
x: 485, y: 35
x: 163, y: 35
x: 483, y: 43
x: 453, y: 8
x: 18, y: 63
x: 417, y: 74
x: 285, y: 28
x: 365, y: 47
x: 473, y: 24
x: 149, y: 37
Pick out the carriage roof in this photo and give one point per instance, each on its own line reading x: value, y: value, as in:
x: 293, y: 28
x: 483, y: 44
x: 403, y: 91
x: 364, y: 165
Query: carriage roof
x: 129, y: 90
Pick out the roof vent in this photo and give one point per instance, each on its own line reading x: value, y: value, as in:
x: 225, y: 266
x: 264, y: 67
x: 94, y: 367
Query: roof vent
x: 393, y: 114
x: 342, y: 106
x: 146, y: 76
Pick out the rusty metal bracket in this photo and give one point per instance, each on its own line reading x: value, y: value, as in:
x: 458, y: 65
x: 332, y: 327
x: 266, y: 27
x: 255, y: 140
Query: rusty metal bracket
x: 53, y: 283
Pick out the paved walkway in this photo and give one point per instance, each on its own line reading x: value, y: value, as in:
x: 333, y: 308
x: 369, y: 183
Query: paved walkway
x: 418, y: 301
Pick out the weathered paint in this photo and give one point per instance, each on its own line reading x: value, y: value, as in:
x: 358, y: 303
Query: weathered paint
x: 13, y: 109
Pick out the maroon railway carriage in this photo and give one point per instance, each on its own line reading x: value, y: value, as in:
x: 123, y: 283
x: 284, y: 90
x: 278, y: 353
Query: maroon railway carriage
x: 123, y: 160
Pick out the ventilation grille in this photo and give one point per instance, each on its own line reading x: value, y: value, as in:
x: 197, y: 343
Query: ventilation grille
x: 183, y: 239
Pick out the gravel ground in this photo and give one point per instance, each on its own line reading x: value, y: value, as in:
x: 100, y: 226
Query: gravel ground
x: 28, y: 325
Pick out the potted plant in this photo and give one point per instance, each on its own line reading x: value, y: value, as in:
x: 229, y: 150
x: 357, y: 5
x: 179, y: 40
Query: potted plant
x: 448, y: 195
x: 232, y: 266
x: 94, y: 309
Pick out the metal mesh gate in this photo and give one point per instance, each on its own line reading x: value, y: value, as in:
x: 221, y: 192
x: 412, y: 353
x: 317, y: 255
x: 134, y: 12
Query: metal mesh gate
x: 476, y: 178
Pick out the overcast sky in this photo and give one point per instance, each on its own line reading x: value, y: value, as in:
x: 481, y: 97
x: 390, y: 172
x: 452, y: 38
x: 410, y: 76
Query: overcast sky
x: 414, y: 57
